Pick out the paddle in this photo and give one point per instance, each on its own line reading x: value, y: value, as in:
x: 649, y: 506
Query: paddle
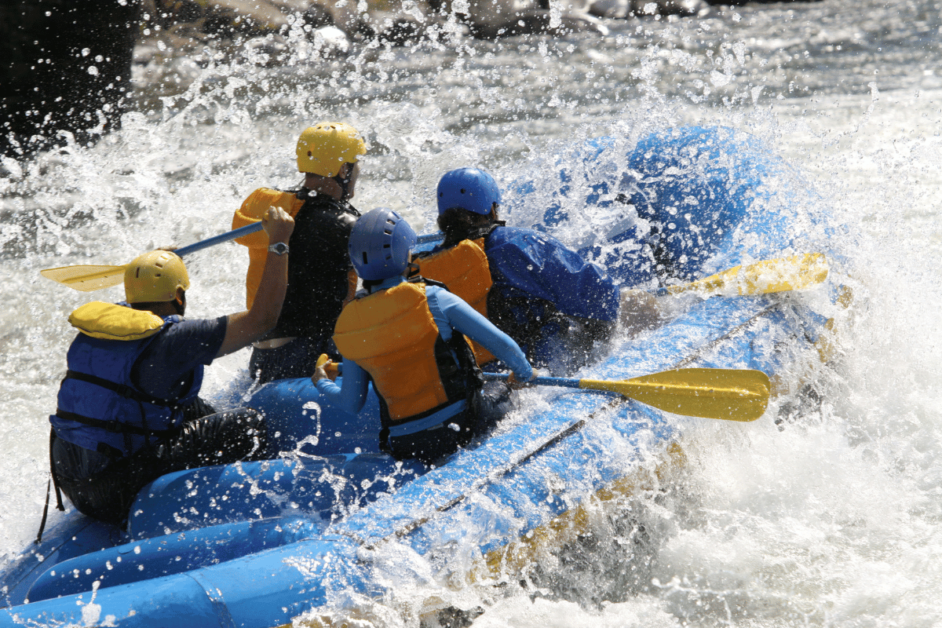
x: 782, y: 274
x: 91, y: 277
x: 426, y: 238
x: 765, y: 277
x: 729, y: 394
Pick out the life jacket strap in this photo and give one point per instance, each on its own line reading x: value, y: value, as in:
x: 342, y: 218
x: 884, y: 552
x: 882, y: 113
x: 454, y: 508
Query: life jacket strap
x: 425, y: 421
x: 125, y: 391
x: 113, y: 426
x: 53, y: 482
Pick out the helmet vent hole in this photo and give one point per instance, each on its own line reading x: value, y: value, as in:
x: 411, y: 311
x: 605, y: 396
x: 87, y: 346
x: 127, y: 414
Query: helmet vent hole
x: 365, y: 261
x: 386, y: 246
x: 462, y: 190
x: 137, y: 273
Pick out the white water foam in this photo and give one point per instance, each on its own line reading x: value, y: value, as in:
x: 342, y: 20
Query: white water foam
x: 833, y: 521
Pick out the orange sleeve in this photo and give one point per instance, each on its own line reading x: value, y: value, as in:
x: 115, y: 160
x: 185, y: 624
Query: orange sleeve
x: 251, y: 212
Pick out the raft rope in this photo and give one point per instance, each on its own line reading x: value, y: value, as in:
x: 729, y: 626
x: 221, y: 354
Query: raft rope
x: 735, y: 330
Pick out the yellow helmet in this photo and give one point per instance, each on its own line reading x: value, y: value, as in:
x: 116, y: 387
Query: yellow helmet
x: 325, y: 147
x: 154, y: 277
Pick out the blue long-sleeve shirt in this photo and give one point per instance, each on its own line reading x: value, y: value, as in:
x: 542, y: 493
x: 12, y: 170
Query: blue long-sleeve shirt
x: 526, y: 263
x: 451, y: 314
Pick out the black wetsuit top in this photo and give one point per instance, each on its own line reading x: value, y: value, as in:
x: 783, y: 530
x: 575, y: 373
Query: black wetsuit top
x: 318, y: 269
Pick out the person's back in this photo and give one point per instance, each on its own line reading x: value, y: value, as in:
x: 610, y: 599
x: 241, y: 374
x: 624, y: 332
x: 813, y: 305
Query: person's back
x: 128, y: 409
x: 320, y: 275
x: 408, y: 338
x: 545, y: 296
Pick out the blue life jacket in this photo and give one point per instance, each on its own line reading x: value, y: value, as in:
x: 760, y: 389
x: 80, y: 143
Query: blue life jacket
x: 100, y: 407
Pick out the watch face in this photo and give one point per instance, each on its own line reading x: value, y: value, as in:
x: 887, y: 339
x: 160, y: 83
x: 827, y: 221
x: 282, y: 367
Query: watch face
x: 279, y: 248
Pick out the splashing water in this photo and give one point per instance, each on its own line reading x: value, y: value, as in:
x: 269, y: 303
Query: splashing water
x: 833, y: 520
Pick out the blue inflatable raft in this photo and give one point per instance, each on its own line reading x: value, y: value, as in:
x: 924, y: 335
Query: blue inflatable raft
x: 260, y: 544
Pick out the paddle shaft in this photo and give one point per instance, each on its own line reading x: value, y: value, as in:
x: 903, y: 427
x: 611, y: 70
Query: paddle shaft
x: 430, y: 237
x: 248, y: 229
x: 219, y: 239
x: 564, y: 382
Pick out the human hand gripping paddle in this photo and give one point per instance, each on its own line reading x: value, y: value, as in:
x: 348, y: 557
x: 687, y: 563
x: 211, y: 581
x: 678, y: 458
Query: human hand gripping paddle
x: 728, y: 394
x: 765, y: 277
x: 782, y: 274
x: 639, y: 309
x: 89, y: 278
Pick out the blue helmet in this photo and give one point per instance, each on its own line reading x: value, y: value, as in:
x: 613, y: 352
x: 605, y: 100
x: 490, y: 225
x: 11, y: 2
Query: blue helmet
x: 470, y: 189
x: 380, y: 243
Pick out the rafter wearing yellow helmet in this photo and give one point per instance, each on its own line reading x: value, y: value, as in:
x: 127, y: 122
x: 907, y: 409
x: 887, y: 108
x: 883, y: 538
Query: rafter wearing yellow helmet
x: 154, y: 277
x: 128, y: 410
x: 324, y: 148
x: 321, y: 278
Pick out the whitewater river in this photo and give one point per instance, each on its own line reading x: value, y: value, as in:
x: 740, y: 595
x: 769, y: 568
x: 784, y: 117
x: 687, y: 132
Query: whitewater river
x: 835, y: 521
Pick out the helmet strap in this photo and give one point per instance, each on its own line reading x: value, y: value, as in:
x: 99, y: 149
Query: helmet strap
x: 179, y: 305
x: 344, y: 182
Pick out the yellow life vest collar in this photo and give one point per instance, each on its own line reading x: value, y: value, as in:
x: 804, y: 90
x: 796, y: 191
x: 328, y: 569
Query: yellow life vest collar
x: 108, y: 321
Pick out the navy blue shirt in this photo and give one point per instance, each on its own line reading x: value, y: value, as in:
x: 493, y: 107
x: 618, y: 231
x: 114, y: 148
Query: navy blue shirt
x: 164, y: 367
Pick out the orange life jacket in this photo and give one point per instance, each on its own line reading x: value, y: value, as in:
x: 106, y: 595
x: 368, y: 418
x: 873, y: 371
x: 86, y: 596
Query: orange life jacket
x: 465, y: 271
x: 252, y: 211
x: 392, y: 335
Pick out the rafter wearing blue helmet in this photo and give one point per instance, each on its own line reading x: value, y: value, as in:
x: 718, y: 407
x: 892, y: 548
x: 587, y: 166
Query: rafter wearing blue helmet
x: 543, y: 295
x: 407, y: 336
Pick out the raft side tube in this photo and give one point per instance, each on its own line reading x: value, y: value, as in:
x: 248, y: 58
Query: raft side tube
x: 259, y: 591
x: 75, y: 536
x: 319, y: 487
x: 167, y: 555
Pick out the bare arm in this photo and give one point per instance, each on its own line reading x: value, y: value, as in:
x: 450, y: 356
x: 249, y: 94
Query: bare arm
x: 245, y: 328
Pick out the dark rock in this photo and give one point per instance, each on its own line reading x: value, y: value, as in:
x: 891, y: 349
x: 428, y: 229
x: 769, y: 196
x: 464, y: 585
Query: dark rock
x: 227, y: 18
x: 684, y: 8
x: 318, y: 16
x: 641, y: 8
x: 398, y: 29
x: 65, y: 69
x: 612, y: 9
x: 403, y: 30
x: 739, y: 3
x: 537, y: 21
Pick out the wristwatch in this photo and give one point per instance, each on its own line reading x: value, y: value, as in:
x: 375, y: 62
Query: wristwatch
x: 278, y: 248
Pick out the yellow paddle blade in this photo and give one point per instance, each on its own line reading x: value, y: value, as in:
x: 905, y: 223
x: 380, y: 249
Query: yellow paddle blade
x: 730, y: 394
x: 776, y: 275
x: 86, y: 278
